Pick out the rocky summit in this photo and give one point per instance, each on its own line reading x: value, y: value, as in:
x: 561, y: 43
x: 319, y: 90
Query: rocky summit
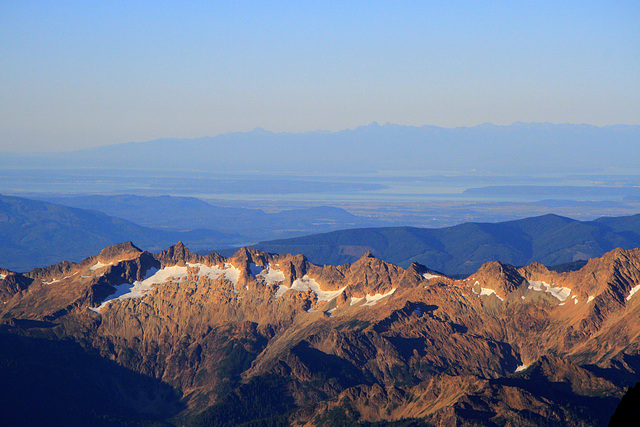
x: 175, y: 338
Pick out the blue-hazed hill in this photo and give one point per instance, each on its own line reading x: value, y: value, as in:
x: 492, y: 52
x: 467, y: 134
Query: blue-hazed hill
x: 36, y: 234
x: 462, y: 249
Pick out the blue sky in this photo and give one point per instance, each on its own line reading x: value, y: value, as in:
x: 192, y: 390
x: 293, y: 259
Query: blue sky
x: 80, y: 74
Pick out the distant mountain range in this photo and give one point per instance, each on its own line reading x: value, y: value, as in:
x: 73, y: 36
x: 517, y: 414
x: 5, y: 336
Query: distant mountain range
x: 462, y: 249
x: 519, y: 148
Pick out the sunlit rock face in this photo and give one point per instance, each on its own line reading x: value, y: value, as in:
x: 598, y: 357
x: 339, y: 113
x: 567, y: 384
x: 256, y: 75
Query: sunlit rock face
x: 367, y: 341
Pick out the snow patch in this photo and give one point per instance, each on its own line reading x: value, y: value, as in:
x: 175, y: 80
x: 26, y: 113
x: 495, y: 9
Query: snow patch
x: 560, y: 293
x: 308, y: 284
x: 633, y: 291
x: 521, y: 368
x: 139, y: 289
x: 485, y: 291
x: 99, y: 265
x: 281, y: 290
x: 523, y: 297
x: 214, y: 272
x: 57, y: 280
x: 371, y: 299
x: 355, y: 300
x: 2, y: 276
x: 271, y: 275
x: 591, y: 298
x: 231, y: 273
x: 430, y: 276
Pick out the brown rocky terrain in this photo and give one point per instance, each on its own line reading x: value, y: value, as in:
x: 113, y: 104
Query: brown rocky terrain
x: 261, y: 335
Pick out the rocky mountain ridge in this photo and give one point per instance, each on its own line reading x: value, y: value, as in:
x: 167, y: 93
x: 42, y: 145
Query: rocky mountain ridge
x: 258, y: 334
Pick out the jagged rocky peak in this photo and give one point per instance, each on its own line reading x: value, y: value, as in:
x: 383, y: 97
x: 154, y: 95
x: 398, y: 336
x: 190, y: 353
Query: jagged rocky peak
x: 616, y: 260
x: 214, y: 258
x: 293, y: 267
x: 245, y: 257
x: 613, y: 275
x: 502, y: 278
x: 366, y: 261
x: 119, y: 252
x: 124, y: 260
x: 620, y: 260
x: 421, y: 270
x: 367, y: 254
x: 136, y: 268
x: 417, y: 272
x: 536, y: 272
x: 248, y: 254
x: 624, y: 254
x: 244, y: 254
x: 178, y: 254
x: 372, y: 276
x: 534, y: 269
x: 12, y: 283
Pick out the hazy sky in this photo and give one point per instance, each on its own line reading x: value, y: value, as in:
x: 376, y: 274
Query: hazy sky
x: 80, y: 74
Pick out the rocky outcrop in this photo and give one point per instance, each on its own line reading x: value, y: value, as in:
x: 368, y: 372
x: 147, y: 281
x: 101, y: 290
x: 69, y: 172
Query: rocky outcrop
x: 12, y: 283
